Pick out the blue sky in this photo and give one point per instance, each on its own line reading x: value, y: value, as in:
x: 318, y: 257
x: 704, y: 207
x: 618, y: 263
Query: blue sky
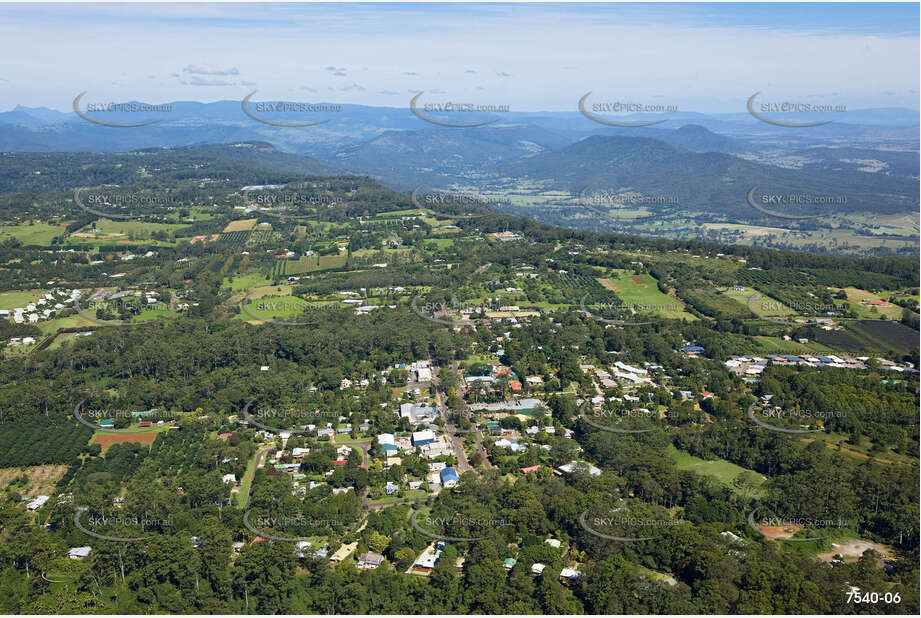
x: 700, y: 57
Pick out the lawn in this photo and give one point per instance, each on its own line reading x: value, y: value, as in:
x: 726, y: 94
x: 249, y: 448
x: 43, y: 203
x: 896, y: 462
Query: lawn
x: 720, y: 469
x: 17, y: 298
x: 153, y: 314
x: 35, y: 234
x: 644, y: 293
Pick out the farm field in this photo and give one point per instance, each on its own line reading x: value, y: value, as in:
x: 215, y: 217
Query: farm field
x: 240, y: 225
x: 105, y: 440
x: 643, y: 290
x: 856, y: 295
x: 881, y: 335
x: 35, y: 234
x: 720, y: 469
x: 310, y: 263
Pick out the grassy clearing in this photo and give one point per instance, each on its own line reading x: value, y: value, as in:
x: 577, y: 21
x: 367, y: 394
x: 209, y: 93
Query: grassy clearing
x: 13, y: 299
x: 774, y: 307
x: 34, y: 234
x: 855, y: 296
x: 645, y: 294
x: 720, y: 469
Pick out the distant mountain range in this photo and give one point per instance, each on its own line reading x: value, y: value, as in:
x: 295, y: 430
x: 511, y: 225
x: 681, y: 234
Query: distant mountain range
x: 874, y: 165
x: 709, y: 181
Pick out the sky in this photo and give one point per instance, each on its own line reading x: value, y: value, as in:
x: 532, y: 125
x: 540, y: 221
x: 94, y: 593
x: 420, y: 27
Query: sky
x: 531, y: 57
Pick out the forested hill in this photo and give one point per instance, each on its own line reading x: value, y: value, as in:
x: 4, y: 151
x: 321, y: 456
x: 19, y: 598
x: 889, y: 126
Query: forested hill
x: 711, y: 181
x: 245, y: 162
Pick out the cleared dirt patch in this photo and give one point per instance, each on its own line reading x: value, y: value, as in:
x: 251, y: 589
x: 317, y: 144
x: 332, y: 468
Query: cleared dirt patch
x: 107, y: 440
x: 42, y: 479
x: 610, y: 285
x: 852, y: 549
x: 780, y: 532
x: 637, y: 280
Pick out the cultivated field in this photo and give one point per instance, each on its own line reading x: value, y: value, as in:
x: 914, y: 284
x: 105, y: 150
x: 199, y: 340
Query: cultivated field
x: 240, y: 225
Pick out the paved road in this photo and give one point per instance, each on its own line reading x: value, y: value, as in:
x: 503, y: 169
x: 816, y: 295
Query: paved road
x: 457, y: 439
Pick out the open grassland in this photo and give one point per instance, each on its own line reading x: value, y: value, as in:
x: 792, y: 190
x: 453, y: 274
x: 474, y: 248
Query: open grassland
x: 13, y: 299
x: 642, y: 291
x: 32, y: 234
x: 720, y: 469
x: 764, y: 305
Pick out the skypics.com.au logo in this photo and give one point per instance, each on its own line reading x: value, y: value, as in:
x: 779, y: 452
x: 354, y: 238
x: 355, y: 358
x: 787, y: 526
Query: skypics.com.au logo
x: 625, y: 207
x: 773, y: 417
x: 785, y: 527
x: 286, y: 415
x: 623, y: 314
x: 449, y: 107
x: 103, y: 202
x: 266, y: 526
x: 762, y: 110
x: 298, y: 312
x: 87, y: 415
x: 117, y: 526
x: 794, y: 206
x: 113, y: 108
x: 104, y: 311
x: 449, y: 201
x: 619, y: 524
x: 624, y: 107
x: 260, y: 111
x: 463, y: 526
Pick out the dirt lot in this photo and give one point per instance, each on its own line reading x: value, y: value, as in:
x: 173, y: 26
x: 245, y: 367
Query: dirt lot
x: 107, y: 440
x: 780, y: 532
x: 41, y: 479
x: 852, y: 549
x: 610, y: 285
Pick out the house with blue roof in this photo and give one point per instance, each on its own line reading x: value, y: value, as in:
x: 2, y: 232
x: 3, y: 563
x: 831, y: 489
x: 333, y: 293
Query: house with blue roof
x: 449, y: 477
